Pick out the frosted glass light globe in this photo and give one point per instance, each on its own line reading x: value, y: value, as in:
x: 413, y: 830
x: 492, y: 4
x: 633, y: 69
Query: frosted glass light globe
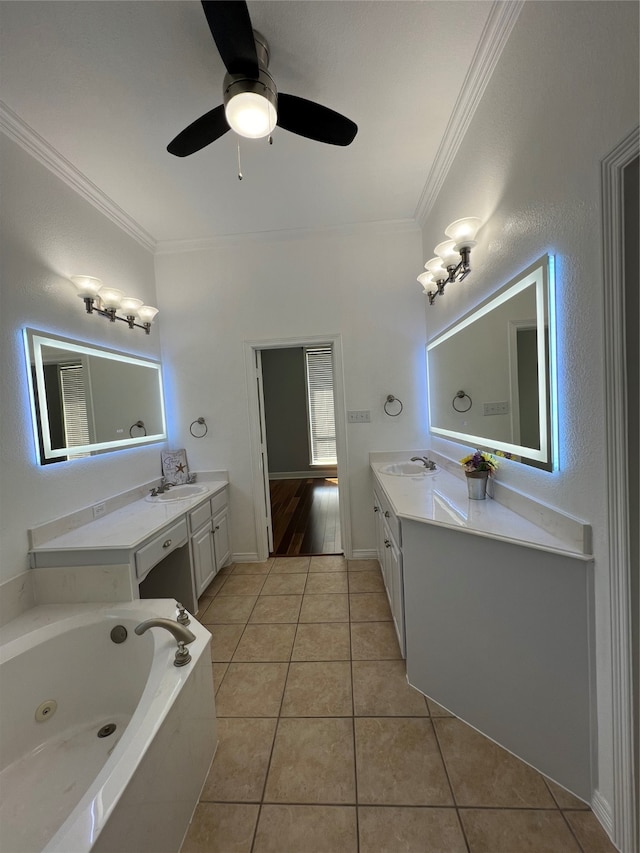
x: 251, y: 115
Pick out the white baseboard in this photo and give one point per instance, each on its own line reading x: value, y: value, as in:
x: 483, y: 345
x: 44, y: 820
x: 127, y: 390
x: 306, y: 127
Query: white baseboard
x: 364, y: 554
x: 603, y: 812
x: 320, y: 474
x: 248, y: 557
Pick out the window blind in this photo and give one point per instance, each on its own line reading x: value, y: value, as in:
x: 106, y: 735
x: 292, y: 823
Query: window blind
x: 322, y: 425
x: 74, y: 405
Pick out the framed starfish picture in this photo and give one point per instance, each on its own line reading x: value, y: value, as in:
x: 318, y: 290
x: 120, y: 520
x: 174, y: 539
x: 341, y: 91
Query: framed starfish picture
x: 175, y: 469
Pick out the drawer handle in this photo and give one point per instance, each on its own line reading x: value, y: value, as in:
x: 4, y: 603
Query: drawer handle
x: 166, y: 544
x: 217, y: 527
x: 376, y: 509
x: 387, y: 543
x: 386, y: 513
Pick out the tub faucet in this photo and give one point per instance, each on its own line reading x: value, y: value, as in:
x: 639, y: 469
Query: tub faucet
x: 181, y: 634
x: 428, y: 463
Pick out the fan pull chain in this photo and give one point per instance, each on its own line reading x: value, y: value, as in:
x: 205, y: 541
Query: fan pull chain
x: 270, y: 139
x: 239, y: 164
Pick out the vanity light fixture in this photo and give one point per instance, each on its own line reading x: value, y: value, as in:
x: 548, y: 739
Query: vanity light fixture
x: 453, y: 257
x: 105, y: 301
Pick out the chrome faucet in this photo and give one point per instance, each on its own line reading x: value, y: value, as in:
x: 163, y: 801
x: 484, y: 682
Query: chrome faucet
x: 428, y: 463
x: 181, y: 634
x: 161, y: 489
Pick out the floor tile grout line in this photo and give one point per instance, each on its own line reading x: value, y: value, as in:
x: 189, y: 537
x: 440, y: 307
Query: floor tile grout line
x: 451, y: 788
x: 353, y: 723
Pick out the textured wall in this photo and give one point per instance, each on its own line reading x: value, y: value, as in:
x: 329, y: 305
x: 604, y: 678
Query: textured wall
x: 48, y: 234
x: 563, y: 95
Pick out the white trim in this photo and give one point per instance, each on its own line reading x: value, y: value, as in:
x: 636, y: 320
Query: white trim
x: 602, y: 810
x: 624, y: 803
x: 496, y: 32
x: 27, y: 138
x: 387, y: 226
x: 245, y: 557
x: 364, y: 554
x: 335, y: 341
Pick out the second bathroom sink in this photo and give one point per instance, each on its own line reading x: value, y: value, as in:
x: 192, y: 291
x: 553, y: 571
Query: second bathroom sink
x: 178, y: 493
x: 405, y: 469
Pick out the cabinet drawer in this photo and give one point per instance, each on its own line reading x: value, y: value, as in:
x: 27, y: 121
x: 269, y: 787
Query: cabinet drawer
x: 392, y: 521
x: 199, y: 515
x: 218, y: 502
x: 164, y: 543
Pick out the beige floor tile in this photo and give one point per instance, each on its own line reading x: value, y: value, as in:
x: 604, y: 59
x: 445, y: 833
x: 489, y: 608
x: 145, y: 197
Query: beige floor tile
x: 363, y: 565
x: 277, y: 608
x: 224, y: 640
x: 369, y: 607
x: 219, y: 670
x: 366, y: 581
x: 322, y: 641
x: 330, y: 563
x: 265, y: 643
x: 437, y: 710
x: 521, y: 830
x: 332, y: 607
x: 242, y: 585
x: 318, y: 689
x: 399, y: 763
x: 306, y: 829
x: 252, y: 690
x: 589, y: 832
x: 374, y: 641
x: 564, y: 798
x: 409, y: 830
x: 285, y: 584
x: 253, y: 568
x: 312, y: 762
x: 380, y: 689
x: 221, y: 828
x: 290, y: 565
x: 240, y: 766
x: 214, y: 587
x: 484, y: 774
x: 226, y: 609
x: 326, y: 582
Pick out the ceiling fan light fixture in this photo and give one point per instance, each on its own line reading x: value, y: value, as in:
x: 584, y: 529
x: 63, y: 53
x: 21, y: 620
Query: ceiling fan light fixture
x: 251, y: 115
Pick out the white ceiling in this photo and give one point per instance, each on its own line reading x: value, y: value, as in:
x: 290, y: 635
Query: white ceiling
x: 109, y: 84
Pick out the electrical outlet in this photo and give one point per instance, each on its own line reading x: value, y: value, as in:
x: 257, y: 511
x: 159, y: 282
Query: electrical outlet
x: 501, y: 408
x: 359, y: 417
x: 98, y: 510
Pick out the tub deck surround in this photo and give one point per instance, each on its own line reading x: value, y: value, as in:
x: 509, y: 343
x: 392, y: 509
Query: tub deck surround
x: 496, y: 613
x: 134, y: 791
x: 441, y: 499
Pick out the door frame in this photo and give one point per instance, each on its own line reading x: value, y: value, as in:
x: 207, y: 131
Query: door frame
x: 258, y: 473
x: 623, y: 819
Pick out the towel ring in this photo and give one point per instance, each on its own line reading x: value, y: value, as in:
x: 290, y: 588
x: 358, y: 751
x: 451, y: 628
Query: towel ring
x: 139, y: 425
x: 392, y: 399
x: 200, y: 421
x: 460, y: 396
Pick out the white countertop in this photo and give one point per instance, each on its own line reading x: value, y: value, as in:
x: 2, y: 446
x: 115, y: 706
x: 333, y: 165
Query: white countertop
x: 441, y: 498
x: 127, y: 527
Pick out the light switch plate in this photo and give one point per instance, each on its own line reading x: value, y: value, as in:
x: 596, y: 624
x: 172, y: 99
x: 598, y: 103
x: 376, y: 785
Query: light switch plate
x: 362, y: 417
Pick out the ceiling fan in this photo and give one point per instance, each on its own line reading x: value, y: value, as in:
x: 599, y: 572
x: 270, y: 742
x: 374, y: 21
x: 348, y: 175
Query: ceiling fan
x: 252, y: 104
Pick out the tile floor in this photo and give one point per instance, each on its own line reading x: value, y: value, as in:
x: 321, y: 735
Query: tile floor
x: 324, y: 748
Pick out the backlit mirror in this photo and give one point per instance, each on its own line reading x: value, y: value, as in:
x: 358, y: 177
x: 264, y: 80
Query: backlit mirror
x: 491, y: 375
x: 87, y: 399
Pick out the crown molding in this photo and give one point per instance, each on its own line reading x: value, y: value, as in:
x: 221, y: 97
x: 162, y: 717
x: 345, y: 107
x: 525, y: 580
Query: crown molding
x: 380, y: 227
x: 496, y: 32
x: 27, y: 138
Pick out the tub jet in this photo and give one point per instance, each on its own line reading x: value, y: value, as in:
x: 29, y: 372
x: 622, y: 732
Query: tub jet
x: 107, y: 730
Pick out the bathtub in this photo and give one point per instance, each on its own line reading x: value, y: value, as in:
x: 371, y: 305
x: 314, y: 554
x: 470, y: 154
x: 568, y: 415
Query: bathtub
x: 64, y: 682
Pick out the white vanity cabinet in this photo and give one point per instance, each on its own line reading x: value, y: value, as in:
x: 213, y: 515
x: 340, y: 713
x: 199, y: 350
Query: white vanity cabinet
x: 388, y: 544
x: 210, y: 549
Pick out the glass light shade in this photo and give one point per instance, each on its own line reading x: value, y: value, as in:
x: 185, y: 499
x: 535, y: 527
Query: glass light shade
x: 110, y: 297
x: 425, y: 279
x: 447, y: 251
x: 87, y: 285
x: 129, y: 305
x: 251, y: 115
x: 146, y: 313
x: 434, y: 266
x: 463, y: 231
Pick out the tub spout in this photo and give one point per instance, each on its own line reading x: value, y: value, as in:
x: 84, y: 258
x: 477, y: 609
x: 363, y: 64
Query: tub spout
x: 181, y: 634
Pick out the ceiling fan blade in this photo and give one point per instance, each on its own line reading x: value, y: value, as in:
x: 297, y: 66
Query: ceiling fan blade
x: 201, y: 132
x: 314, y: 121
x: 232, y: 32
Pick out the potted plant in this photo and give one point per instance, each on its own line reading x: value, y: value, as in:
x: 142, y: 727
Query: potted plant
x: 478, y: 467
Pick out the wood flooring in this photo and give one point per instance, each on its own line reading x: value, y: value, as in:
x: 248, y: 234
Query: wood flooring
x: 305, y: 517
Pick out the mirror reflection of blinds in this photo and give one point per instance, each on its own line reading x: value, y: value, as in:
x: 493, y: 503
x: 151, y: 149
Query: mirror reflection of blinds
x: 322, y: 426
x: 74, y: 405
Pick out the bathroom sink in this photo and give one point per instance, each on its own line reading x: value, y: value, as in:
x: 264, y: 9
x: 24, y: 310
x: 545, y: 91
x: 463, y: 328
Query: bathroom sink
x: 178, y: 493
x: 406, y: 469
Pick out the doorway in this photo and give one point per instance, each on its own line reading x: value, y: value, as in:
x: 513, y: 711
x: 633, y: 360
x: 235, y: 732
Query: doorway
x: 301, y: 503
